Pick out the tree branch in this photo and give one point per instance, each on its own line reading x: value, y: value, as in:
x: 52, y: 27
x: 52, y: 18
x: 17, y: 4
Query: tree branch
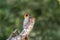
x: 24, y: 34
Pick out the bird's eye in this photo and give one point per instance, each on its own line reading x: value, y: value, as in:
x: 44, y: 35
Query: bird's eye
x: 27, y: 15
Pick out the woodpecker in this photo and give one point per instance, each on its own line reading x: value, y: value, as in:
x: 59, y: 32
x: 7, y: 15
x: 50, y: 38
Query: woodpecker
x: 26, y: 21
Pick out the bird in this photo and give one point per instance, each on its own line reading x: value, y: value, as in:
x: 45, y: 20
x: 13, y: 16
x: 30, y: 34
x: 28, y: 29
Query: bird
x: 27, y: 26
x: 26, y: 21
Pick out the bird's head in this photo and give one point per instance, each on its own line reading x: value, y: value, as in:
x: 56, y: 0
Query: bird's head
x: 26, y: 15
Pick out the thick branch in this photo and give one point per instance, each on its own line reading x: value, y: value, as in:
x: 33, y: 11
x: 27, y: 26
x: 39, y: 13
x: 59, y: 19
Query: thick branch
x: 25, y: 32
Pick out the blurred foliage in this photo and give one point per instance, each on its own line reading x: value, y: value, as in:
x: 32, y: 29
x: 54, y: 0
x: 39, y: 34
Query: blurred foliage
x: 46, y: 12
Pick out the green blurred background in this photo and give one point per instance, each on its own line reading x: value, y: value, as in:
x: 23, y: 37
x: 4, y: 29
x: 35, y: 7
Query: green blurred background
x: 46, y: 12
